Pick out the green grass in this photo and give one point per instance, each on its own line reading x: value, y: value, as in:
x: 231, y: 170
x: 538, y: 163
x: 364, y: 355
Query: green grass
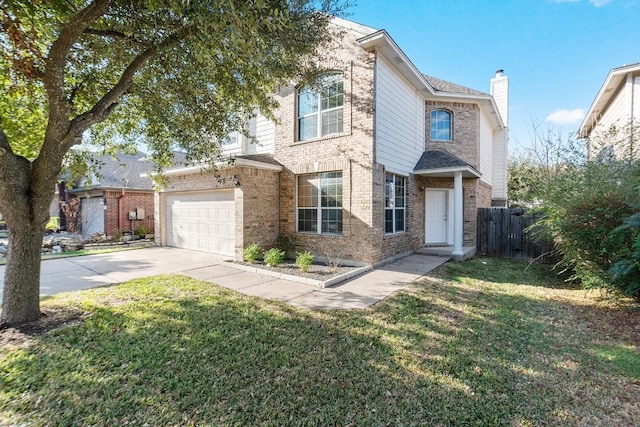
x: 481, y: 343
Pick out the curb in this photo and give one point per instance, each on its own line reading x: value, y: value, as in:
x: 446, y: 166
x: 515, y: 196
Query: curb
x: 304, y: 280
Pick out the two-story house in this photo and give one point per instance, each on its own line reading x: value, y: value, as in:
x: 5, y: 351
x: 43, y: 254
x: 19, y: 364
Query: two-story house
x: 371, y: 161
x: 615, y: 109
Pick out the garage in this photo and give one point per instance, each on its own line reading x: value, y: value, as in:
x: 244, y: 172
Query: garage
x: 92, y: 216
x: 202, y: 221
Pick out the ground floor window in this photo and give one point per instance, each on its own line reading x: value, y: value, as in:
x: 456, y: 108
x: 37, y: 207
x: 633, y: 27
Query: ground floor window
x: 319, y: 198
x: 394, y: 203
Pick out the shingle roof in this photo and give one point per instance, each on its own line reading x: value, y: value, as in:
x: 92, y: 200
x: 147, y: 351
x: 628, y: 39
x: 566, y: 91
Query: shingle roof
x: 124, y: 171
x: 445, y: 86
x: 262, y: 158
x: 439, y: 159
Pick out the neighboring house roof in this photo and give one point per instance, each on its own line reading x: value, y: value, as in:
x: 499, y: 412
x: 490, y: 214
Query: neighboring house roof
x: 441, y: 163
x: 444, y: 86
x: 121, y: 172
x: 614, y: 80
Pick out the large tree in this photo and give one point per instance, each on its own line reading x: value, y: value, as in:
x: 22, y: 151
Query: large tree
x: 173, y: 73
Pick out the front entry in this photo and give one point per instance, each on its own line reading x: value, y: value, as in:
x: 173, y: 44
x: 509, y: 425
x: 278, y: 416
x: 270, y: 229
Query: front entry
x: 438, y: 217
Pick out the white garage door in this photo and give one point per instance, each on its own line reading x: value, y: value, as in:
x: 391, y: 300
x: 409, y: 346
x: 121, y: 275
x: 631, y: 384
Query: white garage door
x: 202, y: 221
x: 92, y: 212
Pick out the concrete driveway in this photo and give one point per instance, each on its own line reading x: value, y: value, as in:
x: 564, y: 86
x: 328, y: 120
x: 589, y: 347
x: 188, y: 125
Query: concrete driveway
x: 84, y: 272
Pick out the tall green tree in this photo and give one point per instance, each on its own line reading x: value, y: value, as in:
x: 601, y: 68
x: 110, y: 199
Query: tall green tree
x: 589, y: 193
x: 177, y: 74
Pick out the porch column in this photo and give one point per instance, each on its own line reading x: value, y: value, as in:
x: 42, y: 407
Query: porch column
x: 458, y: 214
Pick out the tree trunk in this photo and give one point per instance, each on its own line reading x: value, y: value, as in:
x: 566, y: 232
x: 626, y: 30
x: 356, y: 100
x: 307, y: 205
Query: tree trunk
x: 21, y: 297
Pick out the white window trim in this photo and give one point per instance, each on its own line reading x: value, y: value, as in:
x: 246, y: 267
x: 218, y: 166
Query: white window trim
x: 319, y: 208
x: 393, y: 208
x: 320, y: 111
x: 450, y: 124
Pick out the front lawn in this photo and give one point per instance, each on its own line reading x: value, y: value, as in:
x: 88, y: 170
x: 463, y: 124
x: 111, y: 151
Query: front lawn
x: 485, y: 342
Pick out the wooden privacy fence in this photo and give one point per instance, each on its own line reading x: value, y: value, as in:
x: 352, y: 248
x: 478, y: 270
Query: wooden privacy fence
x: 506, y: 233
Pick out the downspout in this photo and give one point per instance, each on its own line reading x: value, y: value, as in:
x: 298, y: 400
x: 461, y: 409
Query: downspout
x: 120, y: 223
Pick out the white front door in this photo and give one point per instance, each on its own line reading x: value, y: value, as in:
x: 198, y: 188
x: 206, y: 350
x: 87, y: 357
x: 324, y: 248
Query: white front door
x: 436, y: 224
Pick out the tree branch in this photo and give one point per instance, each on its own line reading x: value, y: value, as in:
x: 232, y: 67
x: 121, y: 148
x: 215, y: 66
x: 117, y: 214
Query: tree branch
x: 53, y: 79
x: 113, y: 34
x: 13, y: 176
x: 105, y: 105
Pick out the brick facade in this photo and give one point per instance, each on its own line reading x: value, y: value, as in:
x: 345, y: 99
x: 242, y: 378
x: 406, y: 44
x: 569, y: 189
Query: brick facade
x: 265, y: 200
x: 255, y: 199
x: 349, y: 152
x: 465, y: 141
x: 118, y: 205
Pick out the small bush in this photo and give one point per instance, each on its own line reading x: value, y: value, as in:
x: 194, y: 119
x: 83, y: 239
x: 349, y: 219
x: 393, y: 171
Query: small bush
x: 252, y: 253
x: 53, y: 224
x: 304, y: 260
x: 333, y: 261
x: 273, y: 257
x: 142, y: 230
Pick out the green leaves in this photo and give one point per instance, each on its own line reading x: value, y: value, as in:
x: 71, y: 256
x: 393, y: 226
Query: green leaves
x: 204, y: 68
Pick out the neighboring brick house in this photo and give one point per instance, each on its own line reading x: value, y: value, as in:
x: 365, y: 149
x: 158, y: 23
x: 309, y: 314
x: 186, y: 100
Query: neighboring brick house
x: 616, y: 107
x: 372, y: 161
x: 117, y: 199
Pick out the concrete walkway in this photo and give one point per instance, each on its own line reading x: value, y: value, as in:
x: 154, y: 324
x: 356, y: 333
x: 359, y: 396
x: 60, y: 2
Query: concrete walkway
x: 77, y: 273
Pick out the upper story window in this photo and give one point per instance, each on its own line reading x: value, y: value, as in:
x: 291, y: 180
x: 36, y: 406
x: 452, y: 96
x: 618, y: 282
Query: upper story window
x: 320, y: 107
x: 441, y: 125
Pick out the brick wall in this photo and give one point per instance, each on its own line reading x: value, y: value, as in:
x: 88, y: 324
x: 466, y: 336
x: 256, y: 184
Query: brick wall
x: 350, y: 152
x: 466, y: 130
x: 255, y: 198
x: 119, y: 203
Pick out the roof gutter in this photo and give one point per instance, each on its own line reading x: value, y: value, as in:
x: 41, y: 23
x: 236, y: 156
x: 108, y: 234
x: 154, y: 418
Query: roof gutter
x: 382, y: 42
x: 190, y: 170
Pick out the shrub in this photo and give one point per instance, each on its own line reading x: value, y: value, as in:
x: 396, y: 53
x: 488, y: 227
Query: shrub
x: 273, y: 257
x: 333, y: 261
x: 252, y: 253
x: 53, y: 224
x: 142, y: 231
x: 304, y: 260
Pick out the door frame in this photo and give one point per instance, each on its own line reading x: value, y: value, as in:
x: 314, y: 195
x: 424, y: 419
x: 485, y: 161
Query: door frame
x: 450, y: 212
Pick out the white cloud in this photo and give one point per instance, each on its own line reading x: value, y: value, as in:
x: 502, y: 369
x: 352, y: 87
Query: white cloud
x: 566, y: 117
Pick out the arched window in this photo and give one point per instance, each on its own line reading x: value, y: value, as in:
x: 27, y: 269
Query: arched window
x: 441, y: 125
x: 320, y: 107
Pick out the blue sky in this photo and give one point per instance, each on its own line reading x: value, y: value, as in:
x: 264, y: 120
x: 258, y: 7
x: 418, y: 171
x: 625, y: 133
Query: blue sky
x: 557, y: 53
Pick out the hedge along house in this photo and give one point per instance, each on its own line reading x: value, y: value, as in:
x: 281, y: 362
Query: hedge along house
x: 371, y: 161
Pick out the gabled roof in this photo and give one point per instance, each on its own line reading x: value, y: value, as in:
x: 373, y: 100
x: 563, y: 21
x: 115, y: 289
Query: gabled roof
x: 444, y: 86
x: 441, y: 163
x: 121, y: 172
x: 430, y: 87
x: 614, y: 79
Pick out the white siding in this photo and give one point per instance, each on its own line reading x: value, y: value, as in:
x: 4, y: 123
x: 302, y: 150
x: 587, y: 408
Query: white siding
x: 486, y: 149
x: 616, y: 113
x: 636, y: 99
x: 400, y: 121
x: 500, y: 153
x: 265, y: 134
